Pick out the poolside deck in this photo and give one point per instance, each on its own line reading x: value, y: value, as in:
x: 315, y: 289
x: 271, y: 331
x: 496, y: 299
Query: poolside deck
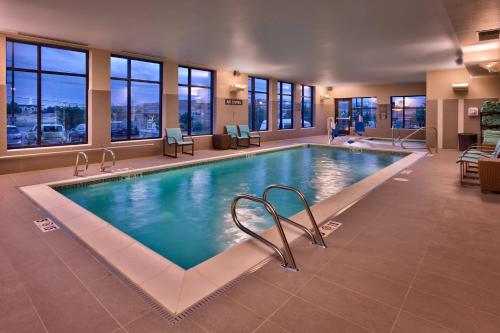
x: 415, y: 256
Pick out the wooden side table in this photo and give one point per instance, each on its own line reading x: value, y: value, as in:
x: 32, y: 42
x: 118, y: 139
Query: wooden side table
x: 221, y: 141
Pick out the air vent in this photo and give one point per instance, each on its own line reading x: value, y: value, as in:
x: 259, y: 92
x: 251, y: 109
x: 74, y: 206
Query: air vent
x: 488, y: 34
x: 26, y: 34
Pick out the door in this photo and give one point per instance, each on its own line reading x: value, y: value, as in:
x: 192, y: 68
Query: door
x: 343, y: 114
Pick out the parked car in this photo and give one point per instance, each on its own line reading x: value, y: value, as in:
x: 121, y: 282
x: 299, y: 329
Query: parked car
x: 77, y: 133
x: 52, y: 134
x: 119, y: 130
x: 14, y: 137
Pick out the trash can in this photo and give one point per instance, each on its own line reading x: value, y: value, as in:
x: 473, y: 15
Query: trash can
x: 465, y: 140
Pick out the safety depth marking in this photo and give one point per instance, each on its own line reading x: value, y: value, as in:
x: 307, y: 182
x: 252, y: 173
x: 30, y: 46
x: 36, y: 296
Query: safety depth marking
x: 401, y: 179
x: 46, y: 225
x: 406, y: 172
x: 329, y: 227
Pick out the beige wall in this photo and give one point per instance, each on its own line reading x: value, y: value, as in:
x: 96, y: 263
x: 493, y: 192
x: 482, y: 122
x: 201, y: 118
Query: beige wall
x: 447, y: 110
x: 383, y: 92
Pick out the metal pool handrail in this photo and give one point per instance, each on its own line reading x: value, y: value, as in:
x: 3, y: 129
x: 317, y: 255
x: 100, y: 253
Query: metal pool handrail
x: 287, y: 259
x: 77, y: 171
x: 316, y: 238
x: 104, y: 152
x: 406, y: 138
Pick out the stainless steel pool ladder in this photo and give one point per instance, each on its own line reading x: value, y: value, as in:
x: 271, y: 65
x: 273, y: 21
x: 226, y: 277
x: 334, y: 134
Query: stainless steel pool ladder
x: 77, y: 170
x: 287, y: 259
x: 314, y: 236
x: 105, y: 151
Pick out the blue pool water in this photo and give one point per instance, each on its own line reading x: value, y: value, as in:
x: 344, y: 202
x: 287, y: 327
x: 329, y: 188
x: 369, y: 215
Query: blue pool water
x: 184, y: 214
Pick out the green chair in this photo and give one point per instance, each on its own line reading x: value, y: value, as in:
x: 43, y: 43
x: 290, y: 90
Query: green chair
x: 173, y: 136
x: 232, y: 130
x: 245, y: 133
x: 469, y: 159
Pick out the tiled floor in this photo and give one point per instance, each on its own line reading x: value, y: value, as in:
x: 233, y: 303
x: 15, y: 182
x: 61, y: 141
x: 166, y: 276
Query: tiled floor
x: 416, y: 256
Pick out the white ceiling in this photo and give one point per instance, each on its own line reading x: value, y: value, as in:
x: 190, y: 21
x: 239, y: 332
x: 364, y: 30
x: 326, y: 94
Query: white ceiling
x: 327, y: 42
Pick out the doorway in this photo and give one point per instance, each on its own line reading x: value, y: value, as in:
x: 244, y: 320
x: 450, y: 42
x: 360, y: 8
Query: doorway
x: 343, y: 114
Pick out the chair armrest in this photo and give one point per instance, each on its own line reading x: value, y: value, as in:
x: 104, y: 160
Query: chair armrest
x: 485, y: 148
x: 258, y: 132
x: 171, y: 137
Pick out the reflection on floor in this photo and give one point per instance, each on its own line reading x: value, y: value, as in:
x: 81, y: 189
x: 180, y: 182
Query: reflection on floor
x: 420, y: 255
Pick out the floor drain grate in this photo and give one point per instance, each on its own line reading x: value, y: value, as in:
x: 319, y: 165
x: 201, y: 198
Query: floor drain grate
x: 46, y: 225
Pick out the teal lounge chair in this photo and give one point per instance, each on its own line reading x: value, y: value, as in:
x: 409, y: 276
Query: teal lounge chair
x: 174, y: 137
x: 245, y: 133
x: 232, y: 130
x: 469, y: 160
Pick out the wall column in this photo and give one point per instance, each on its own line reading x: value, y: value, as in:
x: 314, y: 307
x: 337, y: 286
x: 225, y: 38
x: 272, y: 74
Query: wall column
x: 3, y: 97
x: 440, y: 117
x: 461, y: 115
x: 99, y: 99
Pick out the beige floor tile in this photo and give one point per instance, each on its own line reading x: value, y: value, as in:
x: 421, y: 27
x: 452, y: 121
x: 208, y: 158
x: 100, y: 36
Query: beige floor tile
x: 261, y: 297
x: 225, y: 315
x: 466, y: 294
x: 119, y: 299
x: 300, y: 316
x: 450, y: 314
x: 371, y: 285
x: 408, y: 323
x: 349, y: 305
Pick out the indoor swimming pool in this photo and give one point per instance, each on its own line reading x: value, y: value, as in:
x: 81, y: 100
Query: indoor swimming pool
x: 183, y: 214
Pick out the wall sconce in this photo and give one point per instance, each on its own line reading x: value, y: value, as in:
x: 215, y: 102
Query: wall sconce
x: 236, y: 87
x: 460, y: 87
x: 325, y: 97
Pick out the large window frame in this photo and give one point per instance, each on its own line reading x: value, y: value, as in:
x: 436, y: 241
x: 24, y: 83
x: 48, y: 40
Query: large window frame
x: 280, y: 94
x: 361, y: 108
x: 407, y: 108
x: 189, y: 85
x: 251, y: 96
x: 39, y: 72
x: 303, y: 98
x: 129, y: 81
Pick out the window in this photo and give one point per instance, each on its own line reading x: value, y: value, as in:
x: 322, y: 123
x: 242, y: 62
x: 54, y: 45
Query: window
x: 367, y: 108
x: 408, y: 111
x: 257, y: 104
x: 307, y: 106
x: 285, y: 105
x: 46, y: 95
x: 136, y: 92
x: 195, y: 101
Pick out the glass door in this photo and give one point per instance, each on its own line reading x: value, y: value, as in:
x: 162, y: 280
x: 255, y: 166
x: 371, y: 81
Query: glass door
x: 343, y: 114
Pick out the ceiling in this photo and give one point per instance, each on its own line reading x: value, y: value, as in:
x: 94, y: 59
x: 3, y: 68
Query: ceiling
x: 327, y: 42
x: 470, y: 16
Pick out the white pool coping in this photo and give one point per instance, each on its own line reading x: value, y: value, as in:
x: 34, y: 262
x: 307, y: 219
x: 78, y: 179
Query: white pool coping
x: 171, y: 286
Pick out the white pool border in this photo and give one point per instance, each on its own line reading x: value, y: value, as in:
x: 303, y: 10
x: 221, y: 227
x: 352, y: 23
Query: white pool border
x: 172, y: 287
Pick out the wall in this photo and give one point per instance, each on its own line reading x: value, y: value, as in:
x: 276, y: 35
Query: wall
x: 383, y: 92
x: 99, y: 115
x: 447, y: 110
